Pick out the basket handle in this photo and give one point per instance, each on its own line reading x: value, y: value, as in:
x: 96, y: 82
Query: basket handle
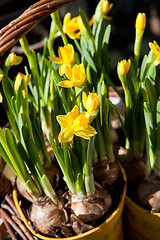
x: 16, y: 29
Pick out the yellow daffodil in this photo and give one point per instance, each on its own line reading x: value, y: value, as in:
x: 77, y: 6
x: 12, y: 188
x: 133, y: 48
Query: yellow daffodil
x: 65, y: 57
x: 1, y: 97
x: 76, y: 76
x: 19, y: 78
x: 156, y: 50
x: 13, y: 59
x: 74, y: 27
x: 105, y: 8
x: 124, y: 66
x: 140, y: 23
x: 90, y: 102
x: 74, y: 124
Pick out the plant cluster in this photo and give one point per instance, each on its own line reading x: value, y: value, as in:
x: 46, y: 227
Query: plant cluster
x: 64, y: 96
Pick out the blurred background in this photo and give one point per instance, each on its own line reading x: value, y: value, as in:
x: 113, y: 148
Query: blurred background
x: 123, y: 15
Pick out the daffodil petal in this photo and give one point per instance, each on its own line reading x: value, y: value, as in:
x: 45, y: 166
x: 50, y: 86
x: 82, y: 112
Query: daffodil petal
x: 67, y: 18
x: 1, y: 97
x: 67, y: 54
x: 84, y: 99
x: 92, y: 20
x: 56, y: 60
x: 155, y: 48
x: 1, y: 77
x: 73, y: 35
x: 65, y: 84
x: 74, y: 113
x: 86, y: 133
x: 62, y: 69
x: 66, y: 135
x: 68, y: 72
x: 107, y: 17
x: 64, y: 121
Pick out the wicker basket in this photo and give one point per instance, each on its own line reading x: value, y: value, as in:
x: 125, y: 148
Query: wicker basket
x: 16, y: 29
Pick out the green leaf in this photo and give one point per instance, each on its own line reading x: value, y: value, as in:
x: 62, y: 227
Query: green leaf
x: 152, y: 99
x: 8, y: 90
x: 99, y: 37
x: 106, y: 36
x: 47, y: 86
x: 105, y: 43
x: 13, y: 125
x: 143, y: 67
x: 117, y: 112
x: 149, y: 127
x: 57, y: 154
x: 89, y: 58
x: 7, y: 159
x: 17, y: 161
x: 151, y: 73
x: 35, y: 157
x: 85, y: 22
x: 158, y: 124
x: 89, y: 156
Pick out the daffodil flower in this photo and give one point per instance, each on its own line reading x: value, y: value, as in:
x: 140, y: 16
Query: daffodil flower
x: 65, y: 57
x: 90, y: 102
x: 76, y: 76
x: 13, y: 59
x: 105, y: 8
x: 124, y: 66
x: 140, y: 23
x: 19, y: 78
x: 156, y: 50
x: 74, y: 123
x: 74, y: 27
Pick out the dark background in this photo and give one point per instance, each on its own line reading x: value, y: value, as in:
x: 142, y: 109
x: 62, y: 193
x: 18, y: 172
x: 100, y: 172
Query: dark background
x: 123, y: 14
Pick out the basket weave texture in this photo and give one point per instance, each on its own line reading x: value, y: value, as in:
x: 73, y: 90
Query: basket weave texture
x: 16, y: 29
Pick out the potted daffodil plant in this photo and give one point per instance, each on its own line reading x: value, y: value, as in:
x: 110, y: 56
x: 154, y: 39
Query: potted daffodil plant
x: 59, y: 143
x: 140, y: 82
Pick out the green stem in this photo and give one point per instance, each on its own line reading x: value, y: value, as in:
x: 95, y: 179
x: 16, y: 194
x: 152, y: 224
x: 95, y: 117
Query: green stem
x: 47, y: 188
x: 137, y: 47
x: 100, y: 141
x: 89, y: 179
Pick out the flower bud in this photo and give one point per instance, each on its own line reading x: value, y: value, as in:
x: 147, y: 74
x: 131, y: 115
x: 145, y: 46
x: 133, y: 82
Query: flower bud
x: 90, y: 102
x: 140, y: 23
x: 19, y: 78
x: 104, y: 89
x: 124, y: 66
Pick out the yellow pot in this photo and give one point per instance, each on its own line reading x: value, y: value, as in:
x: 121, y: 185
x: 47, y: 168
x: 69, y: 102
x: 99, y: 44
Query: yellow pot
x: 111, y: 229
x: 142, y: 225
